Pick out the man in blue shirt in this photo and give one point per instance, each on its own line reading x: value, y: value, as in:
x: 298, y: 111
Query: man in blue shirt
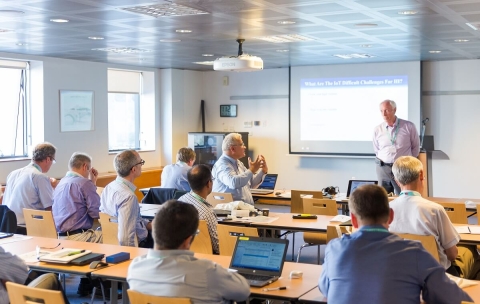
x: 373, y: 265
x: 231, y: 176
x: 175, y: 175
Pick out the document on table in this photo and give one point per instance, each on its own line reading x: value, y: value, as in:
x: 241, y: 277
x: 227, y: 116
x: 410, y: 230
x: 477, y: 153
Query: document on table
x: 468, y: 229
x: 260, y: 219
x: 14, y: 238
x: 340, y: 218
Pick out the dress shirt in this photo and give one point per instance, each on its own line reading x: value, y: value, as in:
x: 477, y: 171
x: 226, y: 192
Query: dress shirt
x: 119, y: 200
x: 75, y: 203
x: 375, y: 266
x: 407, y: 142
x: 231, y: 176
x: 205, y: 212
x: 175, y: 176
x: 29, y: 188
x: 177, y: 273
x: 416, y: 215
x: 12, y: 269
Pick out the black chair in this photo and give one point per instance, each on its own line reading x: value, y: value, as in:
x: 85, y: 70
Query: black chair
x: 179, y: 193
x: 8, y: 220
x: 158, y: 196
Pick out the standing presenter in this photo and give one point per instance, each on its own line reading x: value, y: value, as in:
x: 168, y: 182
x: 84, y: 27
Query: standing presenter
x: 392, y: 138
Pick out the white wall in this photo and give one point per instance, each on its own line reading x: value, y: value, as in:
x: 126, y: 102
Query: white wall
x: 453, y: 106
x: 62, y: 74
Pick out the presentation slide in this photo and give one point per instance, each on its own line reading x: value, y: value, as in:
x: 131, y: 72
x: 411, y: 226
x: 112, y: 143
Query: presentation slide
x: 336, y: 115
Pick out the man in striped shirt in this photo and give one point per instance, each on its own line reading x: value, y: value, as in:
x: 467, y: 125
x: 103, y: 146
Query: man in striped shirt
x: 200, y: 180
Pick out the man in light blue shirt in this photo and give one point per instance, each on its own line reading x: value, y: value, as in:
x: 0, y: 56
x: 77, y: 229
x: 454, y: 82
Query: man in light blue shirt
x: 175, y: 175
x: 231, y: 176
x: 373, y: 265
x: 29, y: 187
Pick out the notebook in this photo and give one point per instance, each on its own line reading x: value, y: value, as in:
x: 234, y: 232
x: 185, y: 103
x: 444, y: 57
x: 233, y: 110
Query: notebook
x: 260, y: 260
x: 64, y: 256
x: 355, y: 183
x: 268, y: 185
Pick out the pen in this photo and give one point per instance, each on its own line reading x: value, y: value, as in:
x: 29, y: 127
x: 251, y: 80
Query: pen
x: 275, y: 288
x: 75, y: 252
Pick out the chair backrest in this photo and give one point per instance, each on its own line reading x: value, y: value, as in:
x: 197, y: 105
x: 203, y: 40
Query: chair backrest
x: 8, y: 220
x: 333, y: 232
x: 21, y: 294
x: 296, y: 199
x: 100, y: 190
x: 227, y: 241
x: 428, y: 242
x: 216, y: 198
x: 40, y: 223
x: 141, y: 298
x: 202, y: 242
x: 158, y: 195
x: 179, y: 193
x: 457, y: 213
x: 109, y: 229
x: 320, y: 206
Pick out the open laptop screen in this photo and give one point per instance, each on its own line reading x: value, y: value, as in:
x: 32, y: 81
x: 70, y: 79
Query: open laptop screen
x: 259, y: 254
x: 269, y: 182
x: 355, y: 183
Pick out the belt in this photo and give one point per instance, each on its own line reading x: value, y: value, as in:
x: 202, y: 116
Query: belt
x: 381, y: 163
x: 73, y: 232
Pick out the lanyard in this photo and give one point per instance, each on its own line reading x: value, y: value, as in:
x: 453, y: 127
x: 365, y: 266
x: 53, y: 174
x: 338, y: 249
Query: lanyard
x: 394, y: 138
x: 118, y: 180
x: 72, y: 174
x: 410, y: 193
x: 374, y: 229
x: 199, y: 198
x: 37, y: 167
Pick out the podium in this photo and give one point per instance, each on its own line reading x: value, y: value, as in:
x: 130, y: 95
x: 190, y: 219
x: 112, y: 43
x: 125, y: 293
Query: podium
x: 427, y: 154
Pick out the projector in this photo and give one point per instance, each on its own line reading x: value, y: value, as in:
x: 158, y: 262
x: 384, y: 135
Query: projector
x: 242, y: 63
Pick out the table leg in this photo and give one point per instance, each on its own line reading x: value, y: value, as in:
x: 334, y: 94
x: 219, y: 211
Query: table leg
x: 125, y: 298
x: 114, y: 292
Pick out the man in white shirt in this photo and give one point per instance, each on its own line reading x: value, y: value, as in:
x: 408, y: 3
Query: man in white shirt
x: 175, y: 175
x: 416, y: 215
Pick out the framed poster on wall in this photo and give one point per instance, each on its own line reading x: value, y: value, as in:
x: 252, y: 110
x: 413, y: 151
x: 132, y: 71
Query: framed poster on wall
x: 76, y: 111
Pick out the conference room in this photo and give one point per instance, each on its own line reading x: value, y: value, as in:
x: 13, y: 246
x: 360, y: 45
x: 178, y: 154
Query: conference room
x: 107, y: 49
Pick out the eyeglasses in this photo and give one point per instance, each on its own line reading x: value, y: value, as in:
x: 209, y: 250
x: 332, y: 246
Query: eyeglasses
x: 240, y: 145
x: 142, y: 162
x: 53, y: 160
x: 212, y: 179
x: 196, y: 232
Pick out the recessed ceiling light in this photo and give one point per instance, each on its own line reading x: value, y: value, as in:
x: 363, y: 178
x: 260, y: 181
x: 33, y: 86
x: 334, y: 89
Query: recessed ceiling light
x: 407, y: 12
x: 434, y: 52
x: 22, y: 44
x: 365, y: 45
x: 366, y: 25
x: 95, y: 38
x: 204, y: 62
x: 284, y: 22
x: 284, y: 38
x: 170, y: 40
x: 474, y: 27
x: 165, y: 10
x: 356, y: 56
x: 59, y: 20
x: 183, y: 31
x: 208, y: 55
x: 127, y: 50
x: 461, y: 40
x: 11, y: 13
x: 283, y: 51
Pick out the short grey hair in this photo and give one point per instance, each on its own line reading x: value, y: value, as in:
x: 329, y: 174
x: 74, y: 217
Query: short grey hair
x: 42, y: 151
x: 78, y: 159
x: 185, y: 154
x: 391, y: 102
x: 406, y: 169
x: 231, y: 139
x: 124, y: 162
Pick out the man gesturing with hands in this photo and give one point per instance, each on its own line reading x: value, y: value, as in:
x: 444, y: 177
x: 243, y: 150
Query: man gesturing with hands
x: 231, y: 176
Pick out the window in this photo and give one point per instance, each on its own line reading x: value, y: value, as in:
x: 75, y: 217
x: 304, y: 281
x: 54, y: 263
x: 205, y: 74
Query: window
x: 14, y: 109
x: 131, y: 114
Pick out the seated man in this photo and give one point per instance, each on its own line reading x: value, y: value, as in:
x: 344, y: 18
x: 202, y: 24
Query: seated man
x: 416, y: 215
x: 231, y: 176
x: 76, y: 202
x: 200, y: 180
x: 175, y: 176
x: 171, y: 270
x: 29, y: 187
x: 373, y: 265
x: 12, y: 269
x: 119, y: 200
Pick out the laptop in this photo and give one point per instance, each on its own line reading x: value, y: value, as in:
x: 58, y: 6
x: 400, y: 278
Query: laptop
x: 268, y: 185
x: 260, y: 260
x: 355, y: 183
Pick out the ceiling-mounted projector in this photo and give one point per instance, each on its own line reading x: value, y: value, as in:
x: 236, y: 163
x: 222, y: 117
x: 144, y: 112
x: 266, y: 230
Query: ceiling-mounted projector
x: 240, y: 63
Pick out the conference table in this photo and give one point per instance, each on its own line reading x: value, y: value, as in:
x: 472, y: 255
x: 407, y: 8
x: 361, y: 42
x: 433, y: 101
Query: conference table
x: 117, y: 273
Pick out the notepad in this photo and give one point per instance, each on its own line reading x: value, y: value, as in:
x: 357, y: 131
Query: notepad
x: 64, y: 256
x: 340, y: 218
x: 468, y: 229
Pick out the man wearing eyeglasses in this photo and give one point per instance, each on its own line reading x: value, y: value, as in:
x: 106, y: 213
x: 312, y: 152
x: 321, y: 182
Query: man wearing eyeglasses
x: 76, y: 202
x: 172, y: 270
x: 119, y: 200
x: 231, y: 176
x: 29, y: 187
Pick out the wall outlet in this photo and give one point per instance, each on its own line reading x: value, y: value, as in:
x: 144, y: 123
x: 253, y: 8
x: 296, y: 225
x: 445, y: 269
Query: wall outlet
x: 247, y: 124
x: 225, y: 80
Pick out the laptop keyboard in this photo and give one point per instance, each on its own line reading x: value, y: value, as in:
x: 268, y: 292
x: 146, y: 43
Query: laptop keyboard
x: 255, y: 277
